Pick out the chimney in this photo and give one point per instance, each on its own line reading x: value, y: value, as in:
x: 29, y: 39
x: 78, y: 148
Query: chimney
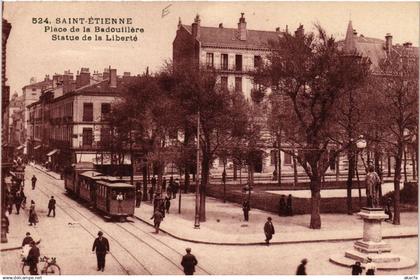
x: 354, y: 32
x: 388, y: 43
x: 67, y: 82
x: 47, y: 78
x: 196, y: 27
x: 221, y: 25
x: 242, y: 28
x: 126, y: 74
x: 179, y: 23
x: 83, y: 78
x: 113, y: 78
x: 300, y: 31
x: 277, y: 29
x: 106, y: 74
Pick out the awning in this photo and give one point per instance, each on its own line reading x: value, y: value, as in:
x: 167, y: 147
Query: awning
x: 52, y: 152
x: 20, y: 147
x: 37, y: 147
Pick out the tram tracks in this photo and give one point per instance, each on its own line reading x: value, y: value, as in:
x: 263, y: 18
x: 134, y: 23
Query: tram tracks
x: 145, y: 238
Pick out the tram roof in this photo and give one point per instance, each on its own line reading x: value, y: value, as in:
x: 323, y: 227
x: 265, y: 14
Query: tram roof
x: 92, y: 174
x: 115, y: 184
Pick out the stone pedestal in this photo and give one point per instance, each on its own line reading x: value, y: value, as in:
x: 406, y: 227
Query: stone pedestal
x: 372, y: 246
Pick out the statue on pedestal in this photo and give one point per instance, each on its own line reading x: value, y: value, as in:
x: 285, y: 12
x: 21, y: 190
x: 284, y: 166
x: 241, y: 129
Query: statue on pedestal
x: 373, y: 183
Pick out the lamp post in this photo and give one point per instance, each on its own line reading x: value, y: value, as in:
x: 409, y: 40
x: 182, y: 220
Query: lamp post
x: 197, y: 181
x: 360, y: 145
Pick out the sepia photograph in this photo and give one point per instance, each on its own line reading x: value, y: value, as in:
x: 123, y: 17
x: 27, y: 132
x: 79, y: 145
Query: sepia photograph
x: 209, y: 138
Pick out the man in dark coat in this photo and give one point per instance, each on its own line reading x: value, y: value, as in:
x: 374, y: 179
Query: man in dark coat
x: 101, y: 245
x: 268, y: 230
x: 356, y: 269
x: 289, y: 207
x: 164, y: 184
x: 51, y: 206
x: 282, y: 206
x: 34, y: 179
x: 139, y: 196
x: 246, y: 208
x: 154, y: 182
x: 189, y: 262
x: 18, y: 201
x: 27, y: 240
x: 301, y: 269
x: 33, y: 258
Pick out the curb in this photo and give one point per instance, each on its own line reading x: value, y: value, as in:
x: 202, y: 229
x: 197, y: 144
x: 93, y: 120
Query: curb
x: 10, y: 249
x: 45, y: 172
x: 271, y: 243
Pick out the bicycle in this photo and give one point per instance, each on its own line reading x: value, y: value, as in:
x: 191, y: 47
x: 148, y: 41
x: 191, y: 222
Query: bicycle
x: 50, y: 267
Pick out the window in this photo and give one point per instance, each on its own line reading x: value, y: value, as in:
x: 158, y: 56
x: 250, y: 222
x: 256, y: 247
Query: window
x: 105, y: 135
x: 257, y: 61
x: 287, y: 159
x: 87, y: 112
x: 105, y: 110
x: 209, y: 60
x: 224, y: 83
x: 87, y: 137
x: 238, y: 62
x: 224, y: 61
x: 238, y: 84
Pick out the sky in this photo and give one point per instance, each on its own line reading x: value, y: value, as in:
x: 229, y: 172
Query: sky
x: 32, y: 53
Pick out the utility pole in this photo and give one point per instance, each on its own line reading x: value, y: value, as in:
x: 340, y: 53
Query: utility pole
x: 197, y: 181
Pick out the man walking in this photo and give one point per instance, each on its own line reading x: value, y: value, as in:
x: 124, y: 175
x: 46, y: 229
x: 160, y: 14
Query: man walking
x: 34, y: 179
x: 246, y: 208
x: 158, y: 217
x: 101, y: 245
x: 189, y: 262
x: 18, y: 201
x: 268, y: 230
x: 51, y: 206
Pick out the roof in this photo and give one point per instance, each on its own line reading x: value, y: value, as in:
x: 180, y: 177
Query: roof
x: 115, y: 184
x: 373, y: 48
x: 43, y: 84
x: 229, y: 37
x: 91, y: 174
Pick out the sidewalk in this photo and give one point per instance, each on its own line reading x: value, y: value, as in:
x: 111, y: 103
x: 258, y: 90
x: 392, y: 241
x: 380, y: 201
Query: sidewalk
x: 225, y: 225
x: 50, y: 173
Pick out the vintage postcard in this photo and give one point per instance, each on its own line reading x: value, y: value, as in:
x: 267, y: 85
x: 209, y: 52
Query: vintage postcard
x: 209, y: 138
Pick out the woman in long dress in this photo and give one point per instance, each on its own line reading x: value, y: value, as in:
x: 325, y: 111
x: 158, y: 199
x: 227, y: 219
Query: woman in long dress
x: 33, y: 218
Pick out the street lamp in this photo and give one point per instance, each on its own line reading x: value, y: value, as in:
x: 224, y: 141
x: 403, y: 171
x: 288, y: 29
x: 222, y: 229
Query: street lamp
x: 360, y: 145
x: 197, y: 186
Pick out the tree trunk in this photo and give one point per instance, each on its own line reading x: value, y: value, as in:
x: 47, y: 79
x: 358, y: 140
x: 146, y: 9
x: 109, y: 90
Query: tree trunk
x: 145, y: 182
x: 350, y: 175
x: 187, y: 181
x: 413, y: 161
x: 235, y: 171
x: 389, y: 166
x: 295, y: 174
x: 397, y: 179
x: 315, y: 185
x: 405, y: 165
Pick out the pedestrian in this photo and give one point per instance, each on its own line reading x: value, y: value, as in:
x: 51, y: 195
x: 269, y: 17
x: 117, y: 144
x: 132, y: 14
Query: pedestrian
x: 33, y: 217
x: 33, y: 258
x: 51, y: 206
x: 158, y: 217
x: 245, y: 208
x: 139, y: 195
x: 189, y: 262
x: 151, y: 191
x: 356, y: 269
x: 289, y: 208
x: 164, y: 184
x: 370, y: 267
x: 388, y: 209
x: 101, y: 246
x: 268, y: 230
x: 301, y: 269
x: 120, y: 198
x: 18, y: 201
x: 175, y: 188
x: 154, y: 182
x: 282, y: 206
x: 167, y: 204
x: 27, y: 240
x: 34, y: 179
x: 10, y: 201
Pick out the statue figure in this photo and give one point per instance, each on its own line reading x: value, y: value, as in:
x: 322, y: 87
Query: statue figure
x: 372, y: 187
